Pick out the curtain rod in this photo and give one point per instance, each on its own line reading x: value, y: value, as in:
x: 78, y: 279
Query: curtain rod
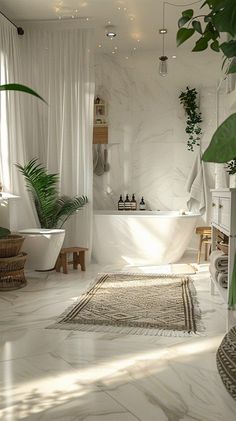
x: 20, y: 30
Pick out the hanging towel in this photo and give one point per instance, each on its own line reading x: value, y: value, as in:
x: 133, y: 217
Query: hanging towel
x: 196, y: 186
x: 99, y: 168
x: 95, y: 156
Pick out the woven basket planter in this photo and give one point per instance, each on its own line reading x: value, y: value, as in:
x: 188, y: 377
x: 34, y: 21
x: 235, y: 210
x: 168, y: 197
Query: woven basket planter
x: 11, y: 264
x: 11, y: 245
x: 12, y: 272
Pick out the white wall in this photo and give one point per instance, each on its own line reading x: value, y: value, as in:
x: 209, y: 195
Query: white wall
x: 147, y: 143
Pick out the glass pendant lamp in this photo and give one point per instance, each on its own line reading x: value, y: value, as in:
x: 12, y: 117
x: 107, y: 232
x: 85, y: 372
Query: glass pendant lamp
x: 163, y: 59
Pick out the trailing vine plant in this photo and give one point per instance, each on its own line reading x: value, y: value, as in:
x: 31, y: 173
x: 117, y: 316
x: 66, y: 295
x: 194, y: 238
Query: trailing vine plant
x: 231, y: 167
x: 188, y: 99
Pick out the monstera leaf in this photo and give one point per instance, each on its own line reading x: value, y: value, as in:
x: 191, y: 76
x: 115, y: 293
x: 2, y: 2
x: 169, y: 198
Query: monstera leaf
x: 223, y: 143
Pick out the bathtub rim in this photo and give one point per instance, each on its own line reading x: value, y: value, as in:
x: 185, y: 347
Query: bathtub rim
x: 159, y: 214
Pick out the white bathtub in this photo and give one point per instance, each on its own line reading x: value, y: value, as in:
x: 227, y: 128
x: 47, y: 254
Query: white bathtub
x: 141, y: 237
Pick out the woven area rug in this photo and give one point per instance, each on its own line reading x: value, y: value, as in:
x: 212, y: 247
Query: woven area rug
x: 141, y: 304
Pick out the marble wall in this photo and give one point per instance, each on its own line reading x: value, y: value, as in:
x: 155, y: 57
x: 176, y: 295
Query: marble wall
x: 147, y: 149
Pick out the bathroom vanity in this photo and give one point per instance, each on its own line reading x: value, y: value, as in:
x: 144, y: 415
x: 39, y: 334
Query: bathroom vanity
x: 224, y: 220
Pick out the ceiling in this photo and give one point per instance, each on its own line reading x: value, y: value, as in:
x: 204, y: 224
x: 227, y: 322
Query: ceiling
x: 137, y: 21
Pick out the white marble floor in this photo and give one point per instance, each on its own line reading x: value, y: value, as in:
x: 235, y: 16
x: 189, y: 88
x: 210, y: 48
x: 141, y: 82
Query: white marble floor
x: 68, y: 375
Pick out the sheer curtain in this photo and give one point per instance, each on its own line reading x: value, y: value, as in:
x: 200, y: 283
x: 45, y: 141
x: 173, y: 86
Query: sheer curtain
x: 58, y: 64
x: 12, y: 146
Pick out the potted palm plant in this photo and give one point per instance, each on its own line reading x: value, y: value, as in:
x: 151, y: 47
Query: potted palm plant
x: 43, y: 244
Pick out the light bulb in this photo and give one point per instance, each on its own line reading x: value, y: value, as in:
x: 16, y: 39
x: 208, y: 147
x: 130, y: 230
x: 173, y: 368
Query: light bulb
x: 163, y: 65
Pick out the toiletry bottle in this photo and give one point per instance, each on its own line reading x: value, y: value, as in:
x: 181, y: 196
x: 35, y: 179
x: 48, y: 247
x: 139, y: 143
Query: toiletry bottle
x: 142, y: 205
x: 121, y: 204
x: 127, y: 203
x: 133, y: 203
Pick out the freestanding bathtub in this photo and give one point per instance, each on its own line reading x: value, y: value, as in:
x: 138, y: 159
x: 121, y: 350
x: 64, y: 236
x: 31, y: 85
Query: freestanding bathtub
x: 141, y: 237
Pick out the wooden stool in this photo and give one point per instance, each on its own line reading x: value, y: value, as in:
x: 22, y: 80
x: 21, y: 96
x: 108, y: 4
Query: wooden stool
x: 78, y: 258
x: 205, y: 238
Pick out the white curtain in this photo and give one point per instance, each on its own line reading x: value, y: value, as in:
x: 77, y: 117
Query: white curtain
x: 58, y: 64
x: 12, y: 146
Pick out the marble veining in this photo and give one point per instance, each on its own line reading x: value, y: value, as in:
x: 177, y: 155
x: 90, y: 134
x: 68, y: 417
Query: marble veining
x: 147, y: 141
x: 71, y: 375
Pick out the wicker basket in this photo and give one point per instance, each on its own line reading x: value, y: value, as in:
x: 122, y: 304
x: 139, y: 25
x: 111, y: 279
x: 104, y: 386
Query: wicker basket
x: 13, y: 280
x: 9, y: 265
x: 11, y: 245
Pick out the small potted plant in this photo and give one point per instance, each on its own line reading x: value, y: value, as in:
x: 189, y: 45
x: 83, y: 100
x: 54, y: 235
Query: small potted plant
x: 231, y: 170
x: 10, y: 244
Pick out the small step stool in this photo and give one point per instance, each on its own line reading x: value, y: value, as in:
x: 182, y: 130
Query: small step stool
x: 205, y: 238
x: 78, y: 258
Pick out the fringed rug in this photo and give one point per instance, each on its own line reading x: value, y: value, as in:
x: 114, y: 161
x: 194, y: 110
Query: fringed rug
x: 140, y: 304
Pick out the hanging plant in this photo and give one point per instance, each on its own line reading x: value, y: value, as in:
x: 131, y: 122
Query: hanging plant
x: 188, y: 99
x: 231, y: 167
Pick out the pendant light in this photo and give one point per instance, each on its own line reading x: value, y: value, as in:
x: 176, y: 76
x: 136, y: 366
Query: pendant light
x: 163, y: 58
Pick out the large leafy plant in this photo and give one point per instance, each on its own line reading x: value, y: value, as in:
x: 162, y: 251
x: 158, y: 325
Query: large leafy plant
x: 52, y: 209
x: 216, y: 28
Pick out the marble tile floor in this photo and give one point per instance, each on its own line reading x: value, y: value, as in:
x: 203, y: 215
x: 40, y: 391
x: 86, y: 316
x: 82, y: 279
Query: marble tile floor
x: 72, y: 375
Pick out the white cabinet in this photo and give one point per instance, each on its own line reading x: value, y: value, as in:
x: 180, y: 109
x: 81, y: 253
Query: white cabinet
x: 223, y: 218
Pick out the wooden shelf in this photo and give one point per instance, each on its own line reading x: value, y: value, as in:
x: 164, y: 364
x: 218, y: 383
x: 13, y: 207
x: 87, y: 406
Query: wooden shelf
x: 100, y: 134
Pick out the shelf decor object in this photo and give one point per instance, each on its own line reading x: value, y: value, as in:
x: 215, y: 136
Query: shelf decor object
x: 100, y: 126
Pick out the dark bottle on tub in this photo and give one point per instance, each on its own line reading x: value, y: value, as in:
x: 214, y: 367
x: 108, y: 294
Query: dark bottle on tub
x: 127, y: 203
x: 121, y: 204
x: 133, y: 203
x: 142, y: 205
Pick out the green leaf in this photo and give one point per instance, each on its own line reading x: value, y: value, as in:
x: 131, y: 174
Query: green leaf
x: 4, y: 232
x: 223, y: 143
x: 52, y: 210
x: 208, y: 18
x: 201, y: 44
x: 197, y: 26
x: 215, y: 46
x: 225, y: 20
x: 183, y: 34
x: 188, y: 13
x: 20, y: 88
x: 182, y: 21
x: 229, y: 48
x: 232, y: 67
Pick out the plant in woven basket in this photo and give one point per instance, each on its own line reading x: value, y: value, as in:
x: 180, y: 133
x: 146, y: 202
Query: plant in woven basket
x: 4, y: 232
x: 52, y: 210
x: 188, y: 99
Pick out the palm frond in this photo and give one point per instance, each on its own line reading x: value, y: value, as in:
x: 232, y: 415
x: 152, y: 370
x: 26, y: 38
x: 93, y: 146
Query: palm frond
x: 53, y: 211
x: 43, y: 188
x: 20, y: 88
x: 67, y: 207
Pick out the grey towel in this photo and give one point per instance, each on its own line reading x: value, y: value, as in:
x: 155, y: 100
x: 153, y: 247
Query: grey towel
x: 220, y: 277
x: 219, y: 260
x: 99, y: 168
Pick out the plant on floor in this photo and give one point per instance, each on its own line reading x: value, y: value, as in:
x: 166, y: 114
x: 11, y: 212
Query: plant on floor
x: 52, y: 210
x: 219, y: 20
x: 4, y: 232
x: 188, y: 99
